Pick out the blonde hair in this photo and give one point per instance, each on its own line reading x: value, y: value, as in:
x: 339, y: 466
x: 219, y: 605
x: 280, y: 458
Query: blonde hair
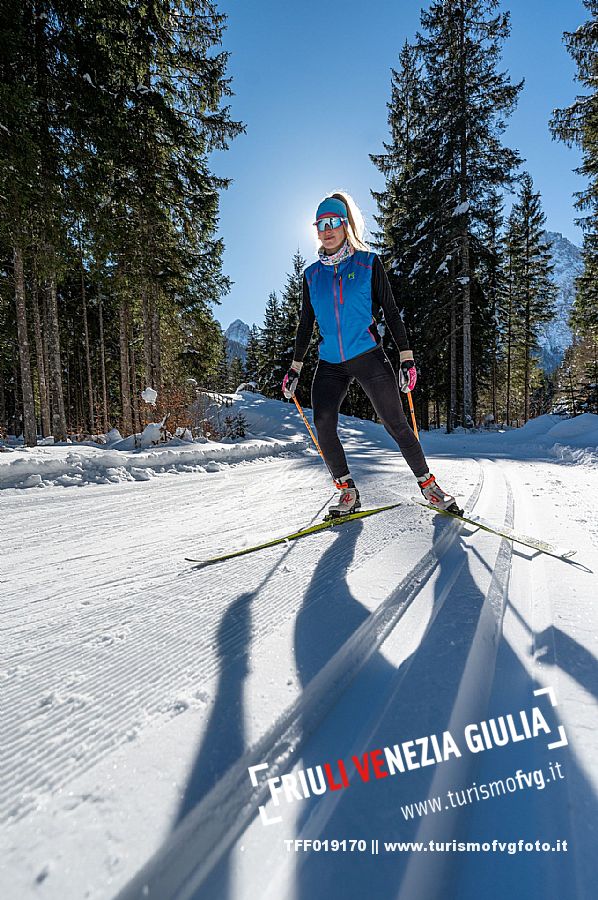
x: 356, y: 227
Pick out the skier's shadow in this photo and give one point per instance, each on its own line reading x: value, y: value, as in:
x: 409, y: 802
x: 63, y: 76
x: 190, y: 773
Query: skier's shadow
x: 329, y: 613
x: 224, y: 740
x: 555, y: 648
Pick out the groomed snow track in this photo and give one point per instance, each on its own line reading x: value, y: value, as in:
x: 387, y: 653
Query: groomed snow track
x: 384, y: 651
x: 188, y: 864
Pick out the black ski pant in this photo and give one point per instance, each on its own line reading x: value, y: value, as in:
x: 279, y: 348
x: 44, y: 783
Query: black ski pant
x: 374, y: 372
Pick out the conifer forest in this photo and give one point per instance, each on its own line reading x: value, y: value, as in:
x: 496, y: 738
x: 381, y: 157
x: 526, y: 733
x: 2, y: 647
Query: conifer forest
x: 111, y: 266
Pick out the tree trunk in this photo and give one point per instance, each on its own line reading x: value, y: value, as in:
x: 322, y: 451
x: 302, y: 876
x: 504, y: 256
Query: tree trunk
x: 464, y: 237
x: 526, y: 374
x: 29, y: 426
x: 3, y: 421
x: 80, y: 394
x: 125, y: 384
x: 58, y: 410
x: 134, y: 392
x: 103, y: 368
x: 509, y: 342
x: 46, y: 348
x: 68, y: 406
x: 450, y: 417
x: 42, y: 366
x: 156, y: 344
x: 526, y: 337
x: 17, y: 398
x: 147, y: 335
x: 91, y: 412
x: 494, y: 380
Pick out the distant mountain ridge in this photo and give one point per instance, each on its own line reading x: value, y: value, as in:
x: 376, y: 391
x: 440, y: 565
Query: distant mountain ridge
x: 556, y: 336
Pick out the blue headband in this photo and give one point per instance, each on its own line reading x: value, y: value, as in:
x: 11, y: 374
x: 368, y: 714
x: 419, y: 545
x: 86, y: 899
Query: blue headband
x: 330, y: 206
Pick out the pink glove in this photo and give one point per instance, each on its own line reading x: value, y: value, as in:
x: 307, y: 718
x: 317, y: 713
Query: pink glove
x: 407, y: 375
x: 289, y: 383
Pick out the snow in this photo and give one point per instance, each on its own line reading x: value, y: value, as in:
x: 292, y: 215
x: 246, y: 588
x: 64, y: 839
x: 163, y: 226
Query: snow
x: 138, y: 690
x: 149, y: 395
x: 461, y: 209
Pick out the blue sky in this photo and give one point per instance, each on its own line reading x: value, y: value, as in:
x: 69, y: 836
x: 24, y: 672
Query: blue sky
x: 311, y: 83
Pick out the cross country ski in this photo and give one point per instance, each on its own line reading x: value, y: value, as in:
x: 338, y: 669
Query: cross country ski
x: 504, y: 532
x: 331, y: 522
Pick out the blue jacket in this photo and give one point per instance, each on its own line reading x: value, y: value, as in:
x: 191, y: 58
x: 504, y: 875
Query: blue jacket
x: 341, y: 297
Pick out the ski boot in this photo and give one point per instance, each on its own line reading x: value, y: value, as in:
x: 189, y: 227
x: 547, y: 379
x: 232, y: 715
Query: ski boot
x: 435, y: 496
x: 348, y: 502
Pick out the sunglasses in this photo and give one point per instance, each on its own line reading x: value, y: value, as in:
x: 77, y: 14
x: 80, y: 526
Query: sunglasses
x: 329, y: 222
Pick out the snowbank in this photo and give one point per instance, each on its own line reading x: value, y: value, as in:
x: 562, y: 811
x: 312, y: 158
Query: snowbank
x: 71, y: 465
x: 570, y: 440
x: 274, y: 427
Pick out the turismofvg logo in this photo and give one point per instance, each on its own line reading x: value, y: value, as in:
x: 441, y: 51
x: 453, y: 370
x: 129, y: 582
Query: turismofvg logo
x: 409, y: 755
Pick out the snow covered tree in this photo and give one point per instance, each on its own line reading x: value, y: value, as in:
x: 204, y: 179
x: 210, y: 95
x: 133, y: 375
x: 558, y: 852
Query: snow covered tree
x: 253, y: 355
x: 272, y: 365
x: 533, y: 292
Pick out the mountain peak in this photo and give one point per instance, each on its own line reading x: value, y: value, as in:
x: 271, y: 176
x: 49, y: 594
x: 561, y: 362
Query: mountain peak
x: 238, y: 332
x: 556, y: 335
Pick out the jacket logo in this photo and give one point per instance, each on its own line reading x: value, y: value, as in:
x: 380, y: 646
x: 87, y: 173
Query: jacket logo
x: 351, y: 275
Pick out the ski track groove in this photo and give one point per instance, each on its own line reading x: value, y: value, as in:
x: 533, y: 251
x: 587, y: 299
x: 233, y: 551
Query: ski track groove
x: 80, y: 714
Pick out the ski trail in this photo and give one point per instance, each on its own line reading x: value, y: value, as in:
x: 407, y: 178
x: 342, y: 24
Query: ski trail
x: 538, y: 653
x: 212, y: 827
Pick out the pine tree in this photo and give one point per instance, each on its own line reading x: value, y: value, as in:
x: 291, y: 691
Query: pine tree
x: 467, y: 101
x: 290, y: 311
x: 221, y: 378
x: 290, y: 307
x: 236, y: 373
x: 410, y: 221
x: 531, y: 266
x: 110, y: 112
x: 272, y: 365
x: 491, y: 280
x: 252, y: 355
x: 578, y: 124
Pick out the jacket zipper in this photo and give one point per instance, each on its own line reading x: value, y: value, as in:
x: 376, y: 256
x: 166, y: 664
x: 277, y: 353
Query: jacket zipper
x: 336, y: 311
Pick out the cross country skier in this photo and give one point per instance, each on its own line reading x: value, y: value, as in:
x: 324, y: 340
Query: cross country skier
x: 341, y: 291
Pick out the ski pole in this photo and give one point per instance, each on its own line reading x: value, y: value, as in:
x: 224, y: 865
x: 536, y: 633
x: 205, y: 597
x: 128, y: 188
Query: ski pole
x: 415, y: 431
x: 311, y: 434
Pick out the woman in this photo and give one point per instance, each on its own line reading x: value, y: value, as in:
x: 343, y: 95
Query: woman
x: 340, y: 291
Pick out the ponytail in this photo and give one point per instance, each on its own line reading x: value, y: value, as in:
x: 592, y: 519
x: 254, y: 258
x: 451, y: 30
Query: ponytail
x: 356, y: 226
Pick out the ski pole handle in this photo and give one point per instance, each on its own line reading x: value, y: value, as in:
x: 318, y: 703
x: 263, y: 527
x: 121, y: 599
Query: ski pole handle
x: 415, y: 431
